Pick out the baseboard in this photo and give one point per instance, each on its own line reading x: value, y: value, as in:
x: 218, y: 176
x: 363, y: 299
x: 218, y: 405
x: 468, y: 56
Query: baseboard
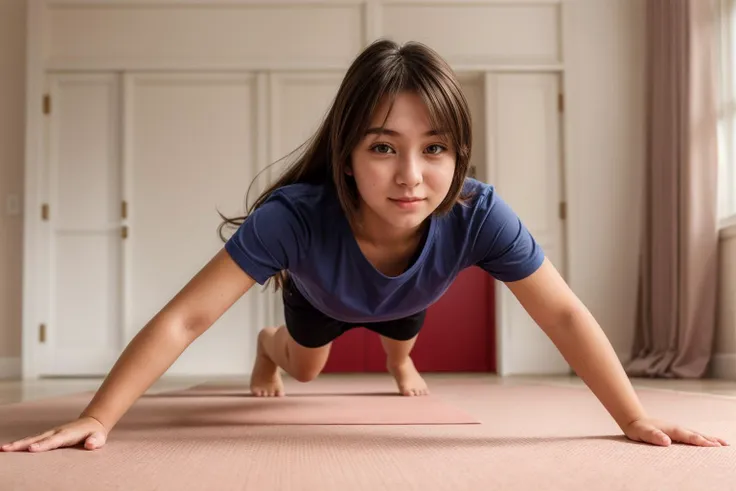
x: 724, y: 366
x: 10, y: 368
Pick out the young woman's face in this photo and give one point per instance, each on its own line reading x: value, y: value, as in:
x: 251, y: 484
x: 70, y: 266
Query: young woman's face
x: 404, y: 171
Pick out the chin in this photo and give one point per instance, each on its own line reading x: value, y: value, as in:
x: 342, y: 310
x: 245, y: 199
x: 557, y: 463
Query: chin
x: 406, y: 222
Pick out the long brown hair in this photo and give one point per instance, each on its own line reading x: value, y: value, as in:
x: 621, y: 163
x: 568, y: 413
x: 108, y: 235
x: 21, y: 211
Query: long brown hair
x: 383, y: 69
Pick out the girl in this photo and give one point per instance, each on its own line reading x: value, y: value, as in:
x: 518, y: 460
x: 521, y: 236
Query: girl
x: 369, y: 227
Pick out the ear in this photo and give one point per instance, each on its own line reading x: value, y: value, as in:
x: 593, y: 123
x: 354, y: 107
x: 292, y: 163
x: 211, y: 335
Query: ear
x: 348, y: 170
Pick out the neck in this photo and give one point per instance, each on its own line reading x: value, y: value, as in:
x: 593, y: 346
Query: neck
x: 371, y: 228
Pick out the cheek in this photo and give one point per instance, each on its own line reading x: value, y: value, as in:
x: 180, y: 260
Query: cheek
x: 369, y: 176
x: 440, y: 177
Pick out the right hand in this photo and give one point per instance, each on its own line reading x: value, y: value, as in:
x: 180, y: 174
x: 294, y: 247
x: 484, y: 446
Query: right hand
x: 85, y: 429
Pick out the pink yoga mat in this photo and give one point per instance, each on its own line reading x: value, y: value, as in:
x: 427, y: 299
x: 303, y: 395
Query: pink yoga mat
x: 305, y: 406
x: 531, y: 438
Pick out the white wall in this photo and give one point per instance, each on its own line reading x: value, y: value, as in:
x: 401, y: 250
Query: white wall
x: 604, y: 153
x: 724, y: 361
x: 604, y: 66
x: 12, y: 103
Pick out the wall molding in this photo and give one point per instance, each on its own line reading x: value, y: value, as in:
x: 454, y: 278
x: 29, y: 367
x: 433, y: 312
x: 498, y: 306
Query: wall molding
x: 140, y: 64
x: 227, y: 3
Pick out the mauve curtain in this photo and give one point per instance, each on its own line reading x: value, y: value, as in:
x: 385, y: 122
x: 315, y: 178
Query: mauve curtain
x: 679, y: 250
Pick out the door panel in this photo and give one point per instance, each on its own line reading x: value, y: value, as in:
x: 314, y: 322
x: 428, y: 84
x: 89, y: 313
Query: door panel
x: 190, y: 151
x: 83, y: 277
x: 524, y: 164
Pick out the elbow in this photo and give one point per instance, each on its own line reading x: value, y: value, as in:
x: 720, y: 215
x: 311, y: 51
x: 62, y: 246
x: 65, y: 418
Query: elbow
x: 182, y: 329
x: 194, y: 327
x: 566, y: 318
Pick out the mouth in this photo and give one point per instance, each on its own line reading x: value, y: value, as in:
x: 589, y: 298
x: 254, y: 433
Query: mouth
x: 407, y: 200
x: 408, y: 204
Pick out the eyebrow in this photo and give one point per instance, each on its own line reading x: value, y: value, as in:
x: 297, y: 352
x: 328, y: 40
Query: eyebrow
x: 390, y: 132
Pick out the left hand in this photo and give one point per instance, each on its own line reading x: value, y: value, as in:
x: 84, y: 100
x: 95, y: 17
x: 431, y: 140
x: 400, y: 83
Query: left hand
x: 660, y: 433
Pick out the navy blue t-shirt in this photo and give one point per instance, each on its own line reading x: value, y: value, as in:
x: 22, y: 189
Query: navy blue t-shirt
x: 302, y: 228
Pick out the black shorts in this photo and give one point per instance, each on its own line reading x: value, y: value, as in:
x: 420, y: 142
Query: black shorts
x: 311, y: 328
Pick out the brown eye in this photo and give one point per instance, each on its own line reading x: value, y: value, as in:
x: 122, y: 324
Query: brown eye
x: 381, y: 148
x: 436, y: 149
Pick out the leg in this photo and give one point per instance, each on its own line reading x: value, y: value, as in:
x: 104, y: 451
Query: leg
x: 276, y: 348
x: 399, y: 364
x: 301, y: 349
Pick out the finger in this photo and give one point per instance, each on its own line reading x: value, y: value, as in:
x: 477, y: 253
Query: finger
x: 713, y: 439
x: 61, y: 439
x: 717, y: 440
x: 703, y: 441
x: 656, y: 436
x: 94, y: 441
x: 691, y: 438
x: 26, y: 442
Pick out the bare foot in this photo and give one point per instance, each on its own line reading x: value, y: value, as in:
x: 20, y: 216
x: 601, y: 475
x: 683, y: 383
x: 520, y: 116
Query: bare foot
x: 265, y: 380
x: 408, y: 379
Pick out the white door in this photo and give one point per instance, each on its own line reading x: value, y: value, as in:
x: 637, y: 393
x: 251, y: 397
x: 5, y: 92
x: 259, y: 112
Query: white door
x: 523, y: 162
x: 191, y: 149
x: 81, y: 247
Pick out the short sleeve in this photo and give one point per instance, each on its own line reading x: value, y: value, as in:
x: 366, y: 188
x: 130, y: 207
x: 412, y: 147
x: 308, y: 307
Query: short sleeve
x: 271, y: 239
x: 504, y: 246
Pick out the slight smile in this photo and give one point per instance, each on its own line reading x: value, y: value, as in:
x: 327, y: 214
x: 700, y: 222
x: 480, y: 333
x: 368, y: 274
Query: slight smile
x: 407, y: 203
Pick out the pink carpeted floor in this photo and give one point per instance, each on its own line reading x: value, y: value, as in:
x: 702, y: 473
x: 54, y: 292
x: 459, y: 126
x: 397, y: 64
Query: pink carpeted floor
x: 320, y: 438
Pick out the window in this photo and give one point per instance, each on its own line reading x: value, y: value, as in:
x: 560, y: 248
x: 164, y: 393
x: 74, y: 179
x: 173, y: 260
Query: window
x: 727, y: 110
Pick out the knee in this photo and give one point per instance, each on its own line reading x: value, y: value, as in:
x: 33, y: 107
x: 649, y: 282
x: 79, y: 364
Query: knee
x: 305, y: 374
x: 305, y: 364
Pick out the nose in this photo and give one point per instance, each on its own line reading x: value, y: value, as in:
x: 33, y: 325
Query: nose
x: 409, y: 172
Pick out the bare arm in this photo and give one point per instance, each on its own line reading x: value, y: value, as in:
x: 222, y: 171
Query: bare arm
x: 583, y: 344
x: 151, y: 352
x: 157, y: 346
x: 580, y: 340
